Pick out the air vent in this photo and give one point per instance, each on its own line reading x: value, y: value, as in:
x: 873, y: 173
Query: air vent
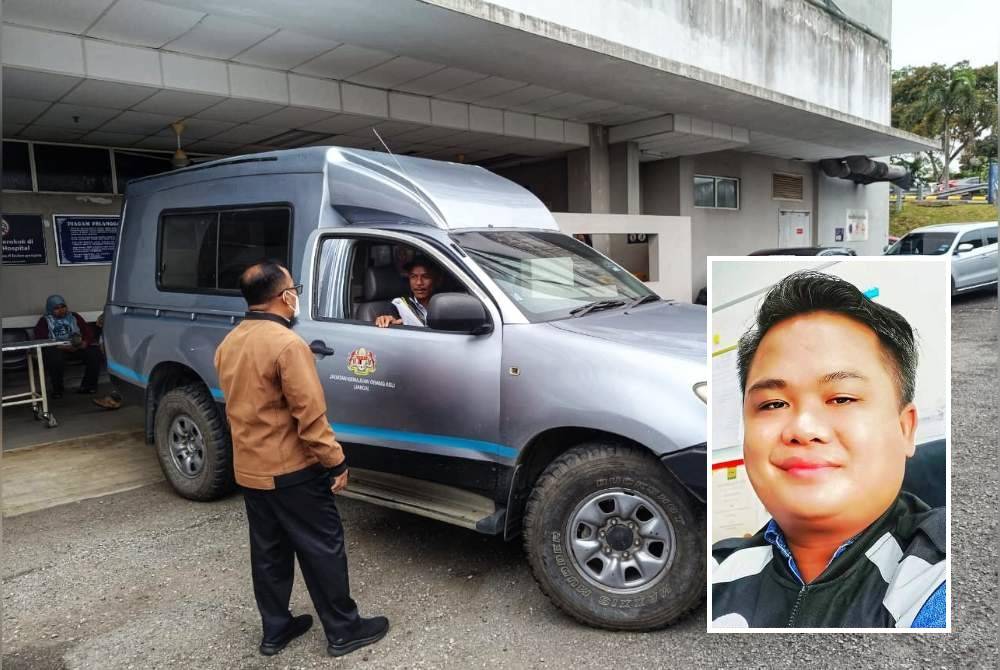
x: 786, y: 186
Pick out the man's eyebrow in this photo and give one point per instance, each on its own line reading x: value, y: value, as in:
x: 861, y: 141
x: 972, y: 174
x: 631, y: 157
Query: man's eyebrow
x: 841, y: 375
x: 767, y: 384
x: 775, y: 383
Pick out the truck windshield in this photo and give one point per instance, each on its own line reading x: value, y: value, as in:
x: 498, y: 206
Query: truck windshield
x: 922, y: 244
x: 551, y: 276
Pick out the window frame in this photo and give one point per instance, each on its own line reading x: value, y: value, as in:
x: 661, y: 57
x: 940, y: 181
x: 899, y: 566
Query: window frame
x: 980, y: 232
x: 428, y: 247
x: 217, y: 210
x: 715, y: 191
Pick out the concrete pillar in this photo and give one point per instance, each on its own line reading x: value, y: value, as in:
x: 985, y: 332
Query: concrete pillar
x: 624, y: 177
x: 589, y: 175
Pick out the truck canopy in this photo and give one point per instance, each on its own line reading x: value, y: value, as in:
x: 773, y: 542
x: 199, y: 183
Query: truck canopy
x: 360, y: 183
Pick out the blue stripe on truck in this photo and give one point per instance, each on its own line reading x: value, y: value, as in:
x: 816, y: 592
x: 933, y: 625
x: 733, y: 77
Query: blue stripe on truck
x: 348, y: 430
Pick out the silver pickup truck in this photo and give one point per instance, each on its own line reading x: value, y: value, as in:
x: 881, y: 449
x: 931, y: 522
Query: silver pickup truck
x: 552, y: 396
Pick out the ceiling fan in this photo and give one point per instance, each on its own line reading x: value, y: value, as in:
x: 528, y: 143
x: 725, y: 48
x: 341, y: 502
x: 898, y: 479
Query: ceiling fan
x: 180, y: 158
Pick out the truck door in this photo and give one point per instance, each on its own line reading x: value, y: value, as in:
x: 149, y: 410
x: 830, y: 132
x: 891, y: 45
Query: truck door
x: 403, y: 400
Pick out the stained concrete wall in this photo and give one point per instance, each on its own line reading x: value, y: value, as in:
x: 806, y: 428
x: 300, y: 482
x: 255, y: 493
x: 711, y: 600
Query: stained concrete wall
x: 876, y: 15
x: 23, y: 289
x: 789, y: 46
x: 836, y: 196
x: 719, y: 232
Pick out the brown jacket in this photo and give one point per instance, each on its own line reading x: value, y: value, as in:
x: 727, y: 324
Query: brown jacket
x: 274, y: 402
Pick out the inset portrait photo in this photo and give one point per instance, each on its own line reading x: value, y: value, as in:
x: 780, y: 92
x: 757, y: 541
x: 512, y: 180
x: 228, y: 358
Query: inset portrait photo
x: 829, y: 406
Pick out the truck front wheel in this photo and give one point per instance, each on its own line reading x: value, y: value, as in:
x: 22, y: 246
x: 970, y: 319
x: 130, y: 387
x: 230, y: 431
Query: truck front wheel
x: 613, y: 540
x: 192, y: 444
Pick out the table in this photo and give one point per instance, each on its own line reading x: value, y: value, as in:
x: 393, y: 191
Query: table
x: 37, y: 396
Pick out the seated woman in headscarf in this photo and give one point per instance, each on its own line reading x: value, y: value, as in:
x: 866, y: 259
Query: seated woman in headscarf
x: 78, y: 343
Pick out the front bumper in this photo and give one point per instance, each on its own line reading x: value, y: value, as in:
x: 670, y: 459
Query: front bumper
x: 690, y: 466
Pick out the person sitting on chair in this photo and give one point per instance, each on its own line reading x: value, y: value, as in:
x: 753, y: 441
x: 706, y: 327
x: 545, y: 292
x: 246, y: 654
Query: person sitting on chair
x: 411, y: 310
x: 78, y: 343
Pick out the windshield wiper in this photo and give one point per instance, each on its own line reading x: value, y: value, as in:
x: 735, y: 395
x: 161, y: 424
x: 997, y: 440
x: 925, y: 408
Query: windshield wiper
x: 650, y: 297
x: 596, y: 306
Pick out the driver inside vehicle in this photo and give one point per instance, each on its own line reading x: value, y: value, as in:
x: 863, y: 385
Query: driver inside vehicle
x: 424, y: 278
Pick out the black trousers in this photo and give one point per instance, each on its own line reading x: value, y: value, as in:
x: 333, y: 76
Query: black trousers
x: 55, y: 364
x: 299, y: 521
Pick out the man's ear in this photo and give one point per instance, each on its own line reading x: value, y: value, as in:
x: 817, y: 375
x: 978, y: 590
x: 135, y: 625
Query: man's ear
x: 908, y: 427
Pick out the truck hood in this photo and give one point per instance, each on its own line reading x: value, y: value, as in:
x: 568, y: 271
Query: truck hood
x: 671, y: 328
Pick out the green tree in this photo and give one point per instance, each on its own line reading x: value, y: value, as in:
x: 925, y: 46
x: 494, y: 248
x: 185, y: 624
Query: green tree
x: 957, y: 104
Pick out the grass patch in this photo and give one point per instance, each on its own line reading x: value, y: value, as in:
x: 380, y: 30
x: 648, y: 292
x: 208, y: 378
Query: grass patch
x: 914, y: 215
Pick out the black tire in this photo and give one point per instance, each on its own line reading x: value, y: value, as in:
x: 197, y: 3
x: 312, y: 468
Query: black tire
x: 214, y: 479
x: 595, y: 469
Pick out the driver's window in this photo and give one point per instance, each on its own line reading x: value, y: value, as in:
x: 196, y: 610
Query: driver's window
x: 975, y: 238
x: 366, y: 278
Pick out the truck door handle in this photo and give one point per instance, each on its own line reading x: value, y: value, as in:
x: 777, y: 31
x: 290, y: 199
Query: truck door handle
x: 319, y: 347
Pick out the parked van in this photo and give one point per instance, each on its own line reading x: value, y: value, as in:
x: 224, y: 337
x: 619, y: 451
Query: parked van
x: 552, y: 396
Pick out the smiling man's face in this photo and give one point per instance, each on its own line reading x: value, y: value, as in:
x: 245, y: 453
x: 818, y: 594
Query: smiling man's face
x: 825, y: 439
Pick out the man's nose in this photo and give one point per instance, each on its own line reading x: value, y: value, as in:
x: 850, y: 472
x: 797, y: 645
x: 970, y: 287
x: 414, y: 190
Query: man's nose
x: 806, y: 426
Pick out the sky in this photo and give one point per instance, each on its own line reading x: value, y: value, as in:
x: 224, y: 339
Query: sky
x: 929, y: 31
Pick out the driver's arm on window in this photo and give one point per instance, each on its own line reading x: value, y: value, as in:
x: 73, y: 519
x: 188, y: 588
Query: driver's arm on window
x: 387, y: 320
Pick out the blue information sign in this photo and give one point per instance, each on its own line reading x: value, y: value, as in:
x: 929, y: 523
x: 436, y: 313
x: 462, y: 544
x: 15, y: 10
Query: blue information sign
x: 86, y: 239
x: 23, y: 239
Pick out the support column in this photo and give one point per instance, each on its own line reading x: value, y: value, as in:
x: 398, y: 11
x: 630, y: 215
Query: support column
x: 590, y: 175
x: 624, y: 177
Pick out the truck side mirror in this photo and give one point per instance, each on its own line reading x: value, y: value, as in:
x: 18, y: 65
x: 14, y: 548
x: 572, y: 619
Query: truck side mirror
x: 458, y: 313
x: 963, y: 247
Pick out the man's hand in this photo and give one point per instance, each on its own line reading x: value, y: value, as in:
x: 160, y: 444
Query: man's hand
x: 339, y: 483
x: 386, y: 320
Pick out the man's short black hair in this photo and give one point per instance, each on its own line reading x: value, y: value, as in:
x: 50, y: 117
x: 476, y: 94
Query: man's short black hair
x: 809, y: 291
x: 424, y: 262
x: 261, y: 281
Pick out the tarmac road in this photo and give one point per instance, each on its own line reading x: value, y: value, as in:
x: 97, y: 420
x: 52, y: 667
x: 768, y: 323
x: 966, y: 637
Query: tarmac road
x: 145, y: 579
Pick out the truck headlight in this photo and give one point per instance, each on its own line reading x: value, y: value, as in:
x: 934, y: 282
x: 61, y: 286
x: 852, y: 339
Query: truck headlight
x: 701, y: 390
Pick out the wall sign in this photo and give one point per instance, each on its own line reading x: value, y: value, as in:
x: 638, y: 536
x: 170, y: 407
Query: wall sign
x: 857, y: 225
x: 23, y: 239
x: 86, y: 239
x: 637, y: 238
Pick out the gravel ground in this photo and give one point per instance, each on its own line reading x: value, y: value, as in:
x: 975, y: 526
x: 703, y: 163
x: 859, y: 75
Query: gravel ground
x: 147, y: 580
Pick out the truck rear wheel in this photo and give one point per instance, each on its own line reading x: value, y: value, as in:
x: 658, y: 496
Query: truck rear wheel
x: 613, y: 540
x: 193, y: 445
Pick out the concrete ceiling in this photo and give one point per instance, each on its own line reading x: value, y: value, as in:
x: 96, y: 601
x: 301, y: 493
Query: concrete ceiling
x: 434, y: 82
x: 45, y: 106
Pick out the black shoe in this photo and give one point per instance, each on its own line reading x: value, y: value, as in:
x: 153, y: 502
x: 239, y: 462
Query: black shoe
x: 299, y: 625
x: 85, y: 390
x: 369, y: 632
x: 55, y: 395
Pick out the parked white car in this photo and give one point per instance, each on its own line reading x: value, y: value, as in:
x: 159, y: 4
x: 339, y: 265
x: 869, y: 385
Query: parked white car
x: 973, y: 247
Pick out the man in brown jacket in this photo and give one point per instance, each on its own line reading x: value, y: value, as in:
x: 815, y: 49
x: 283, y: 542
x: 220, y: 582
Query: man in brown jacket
x: 290, y: 466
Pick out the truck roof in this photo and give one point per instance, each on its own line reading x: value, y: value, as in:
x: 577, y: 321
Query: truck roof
x: 438, y: 193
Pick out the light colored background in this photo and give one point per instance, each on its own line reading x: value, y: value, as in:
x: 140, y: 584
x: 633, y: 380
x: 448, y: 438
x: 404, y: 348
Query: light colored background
x: 916, y: 288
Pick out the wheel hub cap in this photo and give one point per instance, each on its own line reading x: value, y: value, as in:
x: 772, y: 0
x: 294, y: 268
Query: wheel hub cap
x: 620, y: 540
x: 187, y: 446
